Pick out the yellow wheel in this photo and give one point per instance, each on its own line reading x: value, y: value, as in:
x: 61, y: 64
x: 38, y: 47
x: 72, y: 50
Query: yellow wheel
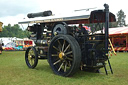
x: 31, y: 57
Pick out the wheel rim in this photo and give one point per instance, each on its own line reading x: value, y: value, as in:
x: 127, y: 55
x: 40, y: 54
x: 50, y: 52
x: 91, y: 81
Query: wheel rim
x: 64, y: 55
x: 61, y: 56
x: 31, y: 57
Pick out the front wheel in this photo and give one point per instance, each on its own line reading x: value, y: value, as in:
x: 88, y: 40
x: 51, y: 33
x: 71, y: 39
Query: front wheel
x: 64, y: 55
x: 31, y: 57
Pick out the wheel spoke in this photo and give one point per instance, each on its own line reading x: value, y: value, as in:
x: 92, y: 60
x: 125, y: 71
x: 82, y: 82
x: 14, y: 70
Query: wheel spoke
x: 66, y: 48
x: 32, y: 53
x: 56, y: 48
x: 32, y: 62
x: 65, y: 67
x: 29, y: 54
x: 69, y: 59
x: 68, y: 53
x: 56, y: 62
x: 60, y: 66
x: 29, y: 61
x: 69, y: 63
x: 29, y: 58
x: 55, y: 55
x: 60, y: 46
x: 63, y: 46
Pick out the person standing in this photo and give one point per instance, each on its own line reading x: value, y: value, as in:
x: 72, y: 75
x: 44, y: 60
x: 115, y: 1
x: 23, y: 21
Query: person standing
x: 1, y: 48
x: 1, y: 43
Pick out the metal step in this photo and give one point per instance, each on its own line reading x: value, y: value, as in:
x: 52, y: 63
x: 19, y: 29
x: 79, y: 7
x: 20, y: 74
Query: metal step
x: 110, y: 68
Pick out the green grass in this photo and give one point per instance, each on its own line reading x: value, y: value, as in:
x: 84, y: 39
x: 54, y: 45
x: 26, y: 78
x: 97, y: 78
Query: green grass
x: 13, y: 71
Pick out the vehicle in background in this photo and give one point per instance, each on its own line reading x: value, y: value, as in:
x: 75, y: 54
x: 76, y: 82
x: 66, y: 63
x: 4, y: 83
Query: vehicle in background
x: 23, y: 44
x: 11, y: 46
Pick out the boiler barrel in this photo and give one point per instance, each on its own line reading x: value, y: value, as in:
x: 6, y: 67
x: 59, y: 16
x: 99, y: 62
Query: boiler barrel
x: 40, y: 14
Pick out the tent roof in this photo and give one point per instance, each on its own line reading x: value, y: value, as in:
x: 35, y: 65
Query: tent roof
x: 118, y: 31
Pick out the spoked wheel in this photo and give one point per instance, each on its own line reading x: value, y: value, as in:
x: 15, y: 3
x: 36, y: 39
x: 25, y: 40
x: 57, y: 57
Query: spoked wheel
x: 64, y: 55
x: 31, y: 57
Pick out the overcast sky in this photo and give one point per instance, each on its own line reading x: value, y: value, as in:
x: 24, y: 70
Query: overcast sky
x: 13, y: 11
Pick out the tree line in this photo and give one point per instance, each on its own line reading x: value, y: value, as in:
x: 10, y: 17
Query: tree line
x: 13, y: 31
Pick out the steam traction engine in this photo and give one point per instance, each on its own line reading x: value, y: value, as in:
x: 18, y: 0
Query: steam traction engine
x: 66, y: 49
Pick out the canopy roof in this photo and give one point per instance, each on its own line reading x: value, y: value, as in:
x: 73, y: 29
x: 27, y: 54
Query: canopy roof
x: 96, y: 16
x: 118, y: 31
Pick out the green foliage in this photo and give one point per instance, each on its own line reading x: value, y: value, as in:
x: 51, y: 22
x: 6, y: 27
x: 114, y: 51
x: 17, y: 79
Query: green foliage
x: 121, y: 18
x: 113, y: 24
x: 13, y: 31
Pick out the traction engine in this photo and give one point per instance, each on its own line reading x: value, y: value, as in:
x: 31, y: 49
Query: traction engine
x: 65, y: 48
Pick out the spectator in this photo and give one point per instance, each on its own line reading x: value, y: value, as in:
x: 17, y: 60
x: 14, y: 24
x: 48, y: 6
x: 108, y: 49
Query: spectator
x: 82, y: 30
x: 1, y: 48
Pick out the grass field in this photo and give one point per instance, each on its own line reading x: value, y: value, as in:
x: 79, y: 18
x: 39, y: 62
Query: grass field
x: 13, y: 71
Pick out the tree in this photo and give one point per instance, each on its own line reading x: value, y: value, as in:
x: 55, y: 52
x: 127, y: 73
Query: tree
x: 13, y: 31
x: 113, y: 24
x: 121, y: 18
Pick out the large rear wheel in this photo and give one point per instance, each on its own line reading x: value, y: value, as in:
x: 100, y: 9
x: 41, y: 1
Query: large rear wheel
x: 64, y: 55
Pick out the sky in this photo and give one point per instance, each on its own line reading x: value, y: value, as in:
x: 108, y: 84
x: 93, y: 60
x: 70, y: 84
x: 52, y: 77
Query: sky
x: 14, y: 11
